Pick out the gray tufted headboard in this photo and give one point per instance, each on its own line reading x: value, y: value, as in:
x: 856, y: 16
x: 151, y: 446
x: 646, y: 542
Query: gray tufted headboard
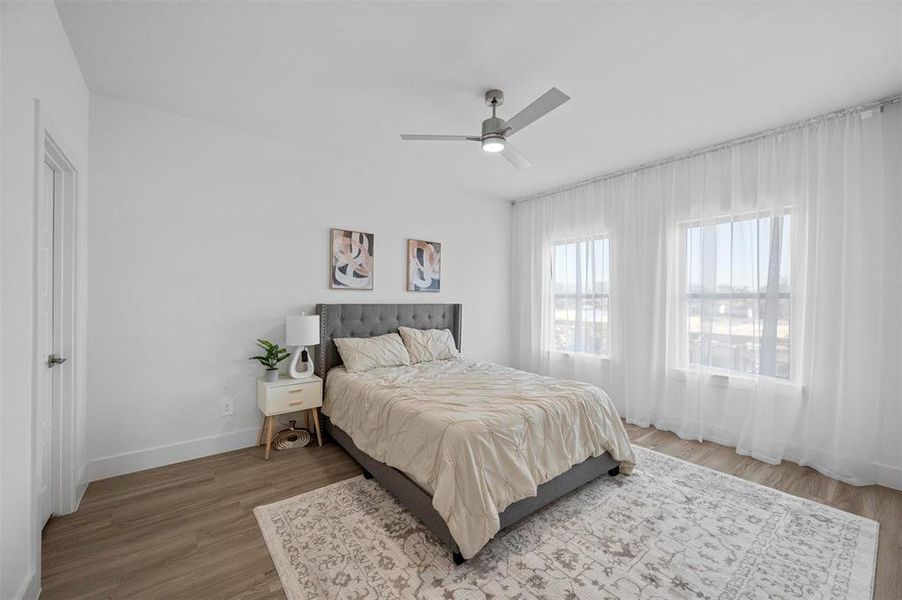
x: 367, y: 320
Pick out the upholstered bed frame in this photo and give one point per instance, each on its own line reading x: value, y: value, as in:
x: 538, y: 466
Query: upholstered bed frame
x: 367, y: 320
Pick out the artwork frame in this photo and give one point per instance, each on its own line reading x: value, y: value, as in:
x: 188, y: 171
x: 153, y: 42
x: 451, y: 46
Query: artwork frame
x: 424, y: 266
x: 352, y: 260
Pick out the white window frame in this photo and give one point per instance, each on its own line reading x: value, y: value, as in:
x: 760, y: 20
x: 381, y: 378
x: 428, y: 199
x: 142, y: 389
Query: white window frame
x: 574, y: 240
x: 682, y: 366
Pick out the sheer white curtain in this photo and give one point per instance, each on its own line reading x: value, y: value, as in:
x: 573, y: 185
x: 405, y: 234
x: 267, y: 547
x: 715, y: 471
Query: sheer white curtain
x: 754, y: 294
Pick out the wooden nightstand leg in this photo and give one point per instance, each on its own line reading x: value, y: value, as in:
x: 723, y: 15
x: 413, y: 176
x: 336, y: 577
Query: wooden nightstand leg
x: 319, y: 436
x: 262, y: 432
x: 269, y: 422
x: 307, y: 419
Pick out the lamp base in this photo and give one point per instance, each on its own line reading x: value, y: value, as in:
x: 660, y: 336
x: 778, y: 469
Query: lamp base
x: 295, y: 359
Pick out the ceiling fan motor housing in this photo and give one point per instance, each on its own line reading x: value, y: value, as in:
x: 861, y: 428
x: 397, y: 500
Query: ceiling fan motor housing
x: 493, y: 127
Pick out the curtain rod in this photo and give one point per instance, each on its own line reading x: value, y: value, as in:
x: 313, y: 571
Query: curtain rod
x: 877, y: 104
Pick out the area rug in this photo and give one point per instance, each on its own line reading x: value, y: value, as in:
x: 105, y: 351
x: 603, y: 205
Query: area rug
x: 671, y: 530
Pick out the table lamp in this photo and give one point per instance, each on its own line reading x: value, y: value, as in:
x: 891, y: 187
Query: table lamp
x: 301, y: 331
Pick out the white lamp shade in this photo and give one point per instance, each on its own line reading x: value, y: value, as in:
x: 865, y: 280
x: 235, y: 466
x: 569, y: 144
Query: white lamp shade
x: 302, y: 330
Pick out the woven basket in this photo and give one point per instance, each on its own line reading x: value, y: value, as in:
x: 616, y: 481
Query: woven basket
x: 291, y: 438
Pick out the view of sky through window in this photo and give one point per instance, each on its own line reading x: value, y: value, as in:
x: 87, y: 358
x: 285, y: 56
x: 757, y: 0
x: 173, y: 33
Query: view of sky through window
x: 581, y: 275
x: 738, y: 295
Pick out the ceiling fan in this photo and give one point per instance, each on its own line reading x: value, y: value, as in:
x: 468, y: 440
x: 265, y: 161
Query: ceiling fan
x: 496, y: 131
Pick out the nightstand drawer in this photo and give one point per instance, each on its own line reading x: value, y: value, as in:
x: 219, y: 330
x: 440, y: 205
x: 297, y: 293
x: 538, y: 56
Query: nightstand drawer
x: 289, y: 398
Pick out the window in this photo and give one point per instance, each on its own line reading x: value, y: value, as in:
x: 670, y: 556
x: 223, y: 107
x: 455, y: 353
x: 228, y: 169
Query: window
x: 582, y: 287
x: 738, y: 294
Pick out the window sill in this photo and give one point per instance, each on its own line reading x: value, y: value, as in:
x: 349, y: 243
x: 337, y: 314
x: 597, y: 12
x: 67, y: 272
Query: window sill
x: 575, y: 354
x: 739, y: 381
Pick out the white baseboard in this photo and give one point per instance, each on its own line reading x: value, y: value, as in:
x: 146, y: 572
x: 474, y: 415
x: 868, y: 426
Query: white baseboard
x: 111, y: 466
x: 30, y: 588
x: 149, y: 458
x: 80, y: 490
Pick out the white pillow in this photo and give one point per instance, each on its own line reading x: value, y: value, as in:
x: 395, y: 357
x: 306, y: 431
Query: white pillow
x: 363, y: 354
x: 428, y: 344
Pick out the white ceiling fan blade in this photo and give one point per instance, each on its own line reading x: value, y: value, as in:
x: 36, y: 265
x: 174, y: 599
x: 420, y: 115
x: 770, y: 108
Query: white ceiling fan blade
x: 546, y: 103
x: 438, y: 138
x: 514, y: 157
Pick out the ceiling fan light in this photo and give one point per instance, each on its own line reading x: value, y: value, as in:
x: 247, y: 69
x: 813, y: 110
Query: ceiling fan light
x: 493, y: 143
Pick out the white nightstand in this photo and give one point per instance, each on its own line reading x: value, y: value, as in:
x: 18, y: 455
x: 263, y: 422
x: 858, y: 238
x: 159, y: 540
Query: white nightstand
x: 288, y: 395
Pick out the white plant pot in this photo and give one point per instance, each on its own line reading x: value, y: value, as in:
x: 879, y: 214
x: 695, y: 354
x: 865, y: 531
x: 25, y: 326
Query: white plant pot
x: 271, y: 375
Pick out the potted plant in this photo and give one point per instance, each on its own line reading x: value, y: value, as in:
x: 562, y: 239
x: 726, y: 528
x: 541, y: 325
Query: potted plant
x: 274, y: 355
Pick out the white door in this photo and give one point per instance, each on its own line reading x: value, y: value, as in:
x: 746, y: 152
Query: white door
x: 45, y: 338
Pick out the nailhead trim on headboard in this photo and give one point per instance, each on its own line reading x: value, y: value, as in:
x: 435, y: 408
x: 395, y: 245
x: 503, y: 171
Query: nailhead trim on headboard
x: 321, y: 356
x: 459, y: 320
x: 366, y: 320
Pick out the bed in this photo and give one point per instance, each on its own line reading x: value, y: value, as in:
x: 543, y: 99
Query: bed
x: 470, y: 448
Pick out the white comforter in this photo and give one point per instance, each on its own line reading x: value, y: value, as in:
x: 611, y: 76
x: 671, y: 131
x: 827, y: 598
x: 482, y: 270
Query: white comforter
x: 477, y: 436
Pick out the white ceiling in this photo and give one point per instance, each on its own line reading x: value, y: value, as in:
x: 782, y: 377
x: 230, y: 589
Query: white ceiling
x: 647, y: 80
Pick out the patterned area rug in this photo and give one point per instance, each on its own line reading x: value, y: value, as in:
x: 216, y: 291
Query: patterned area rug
x: 670, y: 530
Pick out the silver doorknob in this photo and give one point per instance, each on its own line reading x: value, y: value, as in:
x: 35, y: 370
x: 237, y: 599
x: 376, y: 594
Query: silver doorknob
x: 53, y: 360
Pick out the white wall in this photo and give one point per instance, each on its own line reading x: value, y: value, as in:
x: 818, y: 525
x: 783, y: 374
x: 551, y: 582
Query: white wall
x: 203, y: 238
x: 37, y: 62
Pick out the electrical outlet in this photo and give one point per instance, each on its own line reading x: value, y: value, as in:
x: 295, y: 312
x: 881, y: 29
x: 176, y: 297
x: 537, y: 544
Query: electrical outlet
x: 228, y: 407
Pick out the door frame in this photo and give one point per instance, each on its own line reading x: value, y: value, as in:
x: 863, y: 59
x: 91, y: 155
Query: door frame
x: 50, y: 147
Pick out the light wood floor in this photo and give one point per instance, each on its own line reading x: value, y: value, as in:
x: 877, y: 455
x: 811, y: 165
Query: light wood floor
x: 187, y: 530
